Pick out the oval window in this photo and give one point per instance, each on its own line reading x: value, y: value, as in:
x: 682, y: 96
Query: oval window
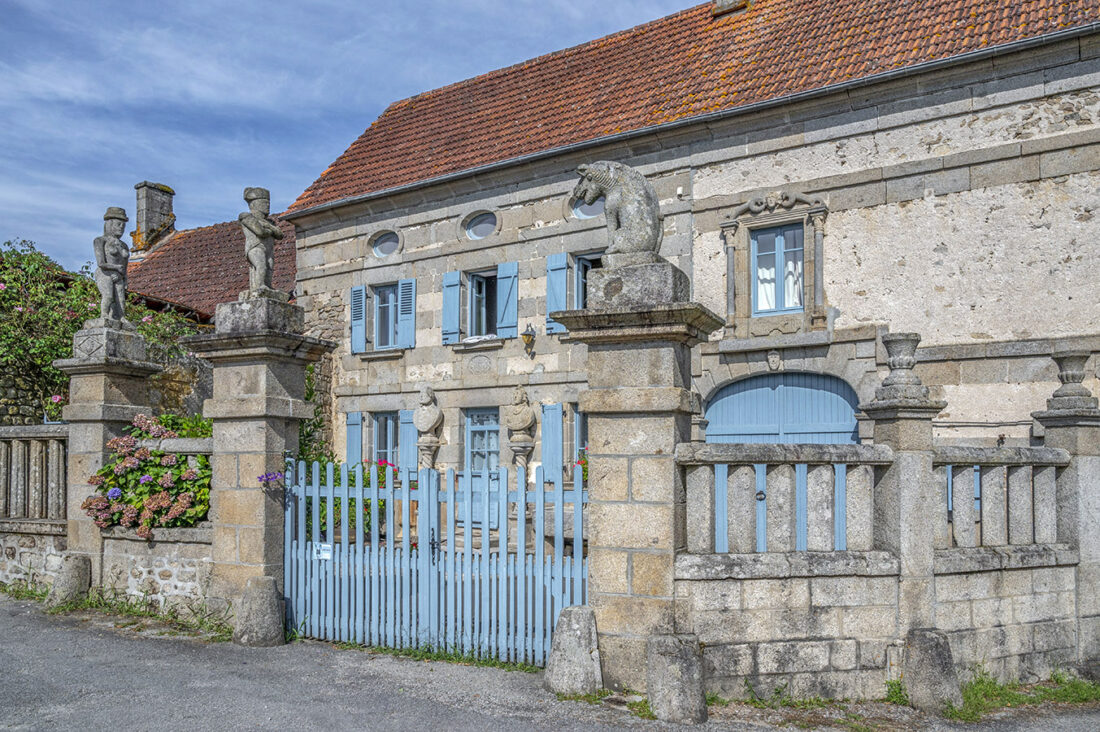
x: 582, y: 210
x: 386, y: 244
x: 481, y: 225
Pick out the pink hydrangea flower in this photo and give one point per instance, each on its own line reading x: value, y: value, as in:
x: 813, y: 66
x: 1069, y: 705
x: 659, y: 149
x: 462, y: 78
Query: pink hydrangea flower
x: 56, y: 399
x: 147, y: 319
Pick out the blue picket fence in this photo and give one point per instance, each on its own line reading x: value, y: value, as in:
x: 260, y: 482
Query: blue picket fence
x: 443, y: 563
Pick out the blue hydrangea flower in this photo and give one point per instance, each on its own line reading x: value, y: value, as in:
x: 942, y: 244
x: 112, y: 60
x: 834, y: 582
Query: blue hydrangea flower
x: 114, y: 494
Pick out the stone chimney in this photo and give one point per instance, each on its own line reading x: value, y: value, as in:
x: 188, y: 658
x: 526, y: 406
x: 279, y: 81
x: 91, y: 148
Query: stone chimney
x: 154, y: 219
x: 721, y: 7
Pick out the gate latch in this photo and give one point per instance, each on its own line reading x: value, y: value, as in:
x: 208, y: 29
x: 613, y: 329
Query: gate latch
x: 433, y: 545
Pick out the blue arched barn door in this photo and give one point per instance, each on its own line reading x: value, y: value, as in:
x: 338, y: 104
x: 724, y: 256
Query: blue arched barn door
x: 783, y: 408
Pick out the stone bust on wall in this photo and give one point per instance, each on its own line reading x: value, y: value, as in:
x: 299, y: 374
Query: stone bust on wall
x: 112, y: 258
x: 428, y: 421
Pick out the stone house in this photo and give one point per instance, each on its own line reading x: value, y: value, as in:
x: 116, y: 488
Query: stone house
x: 823, y: 176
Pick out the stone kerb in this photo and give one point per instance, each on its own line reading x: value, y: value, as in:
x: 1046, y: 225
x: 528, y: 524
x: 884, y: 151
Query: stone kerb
x: 1072, y: 423
x: 108, y: 387
x: 639, y: 331
x: 260, y: 357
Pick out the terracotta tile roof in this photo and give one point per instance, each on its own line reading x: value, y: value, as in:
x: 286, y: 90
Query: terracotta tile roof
x: 681, y: 66
x: 202, y: 267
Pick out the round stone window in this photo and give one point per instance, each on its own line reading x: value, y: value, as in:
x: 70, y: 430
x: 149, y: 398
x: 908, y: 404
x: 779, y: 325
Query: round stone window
x: 481, y: 225
x: 582, y: 210
x: 385, y: 244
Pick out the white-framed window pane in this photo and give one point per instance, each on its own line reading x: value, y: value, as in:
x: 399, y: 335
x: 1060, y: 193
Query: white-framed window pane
x: 385, y: 316
x: 483, y: 305
x: 792, y: 279
x: 385, y: 437
x: 765, y: 282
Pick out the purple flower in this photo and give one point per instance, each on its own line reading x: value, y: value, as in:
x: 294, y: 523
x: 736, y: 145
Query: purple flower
x: 115, y: 493
x: 145, y: 479
x: 56, y: 399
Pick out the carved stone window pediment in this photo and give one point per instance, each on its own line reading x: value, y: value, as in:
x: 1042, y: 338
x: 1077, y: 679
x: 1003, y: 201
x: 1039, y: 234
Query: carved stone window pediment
x: 775, y: 208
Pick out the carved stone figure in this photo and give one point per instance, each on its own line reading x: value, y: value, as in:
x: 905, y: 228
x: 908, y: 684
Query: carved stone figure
x: 260, y: 233
x: 519, y: 418
x: 428, y: 420
x: 112, y: 258
x: 631, y: 207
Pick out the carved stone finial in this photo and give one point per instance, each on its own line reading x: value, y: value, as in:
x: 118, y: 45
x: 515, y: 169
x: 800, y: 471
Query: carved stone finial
x: 260, y: 233
x: 112, y: 258
x: 428, y: 420
x: 1072, y: 404
x: 631, y: 208
x: 519, y: 418
x: 902, y: 390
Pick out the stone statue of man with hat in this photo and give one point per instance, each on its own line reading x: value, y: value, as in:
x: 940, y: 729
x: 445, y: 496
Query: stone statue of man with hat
x: 260, y: 233
x: 112, y: 258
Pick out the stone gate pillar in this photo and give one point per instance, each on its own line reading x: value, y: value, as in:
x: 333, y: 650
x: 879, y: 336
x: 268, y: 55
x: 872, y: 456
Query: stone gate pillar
x: 1072, y: 423
x: 260, y: 358
x: 107, y: 389
x: 906, y: 495
x: 639, y: 330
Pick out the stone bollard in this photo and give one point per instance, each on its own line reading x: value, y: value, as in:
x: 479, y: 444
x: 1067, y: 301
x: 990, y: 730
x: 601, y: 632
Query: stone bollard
x: 73, y: 581
x: 929, y: 671
x: 674, y: 678
x: 260, y: 615
x: 574, y: 663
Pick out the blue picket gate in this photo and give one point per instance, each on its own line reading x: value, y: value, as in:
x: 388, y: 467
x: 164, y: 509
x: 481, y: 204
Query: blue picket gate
x: 412, y: 565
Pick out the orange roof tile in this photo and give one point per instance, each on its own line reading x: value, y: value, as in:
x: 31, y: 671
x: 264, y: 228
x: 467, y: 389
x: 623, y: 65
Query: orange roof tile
x: 675, y: 68
x: 200, y: 268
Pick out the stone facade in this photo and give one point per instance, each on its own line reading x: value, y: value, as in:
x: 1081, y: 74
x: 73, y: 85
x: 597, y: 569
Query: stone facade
x: 941, y: 197
x: 18, y: 404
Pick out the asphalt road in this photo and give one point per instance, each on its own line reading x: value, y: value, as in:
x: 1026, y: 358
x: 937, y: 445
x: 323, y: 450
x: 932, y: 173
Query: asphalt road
x: 81, y: 672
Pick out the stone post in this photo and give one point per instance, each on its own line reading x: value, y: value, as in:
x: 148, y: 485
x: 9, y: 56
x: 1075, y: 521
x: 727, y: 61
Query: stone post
x: 1072, y: 423
x: 639, y: 331
x: 905, y: 495
x: 260, y: 358
x: 108, y: 375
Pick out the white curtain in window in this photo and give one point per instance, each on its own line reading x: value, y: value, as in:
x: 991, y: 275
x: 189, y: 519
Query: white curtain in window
x: 765, y: 282
x: 792, y: 280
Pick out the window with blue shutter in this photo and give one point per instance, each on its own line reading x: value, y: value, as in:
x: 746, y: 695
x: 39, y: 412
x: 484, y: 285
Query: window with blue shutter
x: 355, y: 438
x: 358, y: 319
x: 557, y: 289
x: 385, y: 317
x: 385, y: 438
x: 483, y: 305
x: 552, y: 448
x: 406, y: 444
x: 508, y: 300
x: 406, y: 314
x: 452, y: 306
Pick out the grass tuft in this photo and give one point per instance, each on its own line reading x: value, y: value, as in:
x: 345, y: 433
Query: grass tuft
x: 594, y: 698
x: 24, y: 590
x: 896, y: 694
x: 641, y: 709
x: 780, y: 698
x: 983, y: 694
x: 713, y: 700
x: 428, y: 654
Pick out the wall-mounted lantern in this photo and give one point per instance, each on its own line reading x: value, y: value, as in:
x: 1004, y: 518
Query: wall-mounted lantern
x: 528, y: 337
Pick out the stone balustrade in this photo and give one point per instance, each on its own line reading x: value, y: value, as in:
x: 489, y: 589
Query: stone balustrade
x: 32, y: 472
x: 779, y: 498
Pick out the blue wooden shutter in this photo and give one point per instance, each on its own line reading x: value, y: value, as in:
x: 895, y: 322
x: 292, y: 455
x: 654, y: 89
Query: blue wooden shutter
x: 452, y: 306
x: 406, y: 443
x: 508, y: 299
x: 358, y: 319
x: 557, y: 289
x: 406, y: 314
x: 552, y: 452
x: 355, y: 438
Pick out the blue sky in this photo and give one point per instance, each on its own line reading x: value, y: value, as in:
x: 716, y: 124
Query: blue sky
x: 210, y: 97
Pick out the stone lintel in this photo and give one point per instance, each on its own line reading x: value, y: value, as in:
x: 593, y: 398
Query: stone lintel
x: 963, y: 560
x: 894, y: 409
x: 38, y: 527
x: 752, y: 454
x: 107, y: 365
x: 259, y: 345
x: 964, y: 455
x: 636, y: 400
x: 97, y: 412
x: 784, y: 565
x: 257, y: 407
x: 680, y: 322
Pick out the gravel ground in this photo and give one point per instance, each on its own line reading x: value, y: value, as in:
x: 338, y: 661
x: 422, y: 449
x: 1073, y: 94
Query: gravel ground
x: 81, y: 671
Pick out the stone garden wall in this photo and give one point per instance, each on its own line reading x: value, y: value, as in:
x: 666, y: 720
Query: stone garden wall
x: 173, y: 569
x: 30, y: 551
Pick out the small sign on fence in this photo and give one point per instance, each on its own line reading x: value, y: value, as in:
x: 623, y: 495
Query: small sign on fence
x: 322, y: 551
